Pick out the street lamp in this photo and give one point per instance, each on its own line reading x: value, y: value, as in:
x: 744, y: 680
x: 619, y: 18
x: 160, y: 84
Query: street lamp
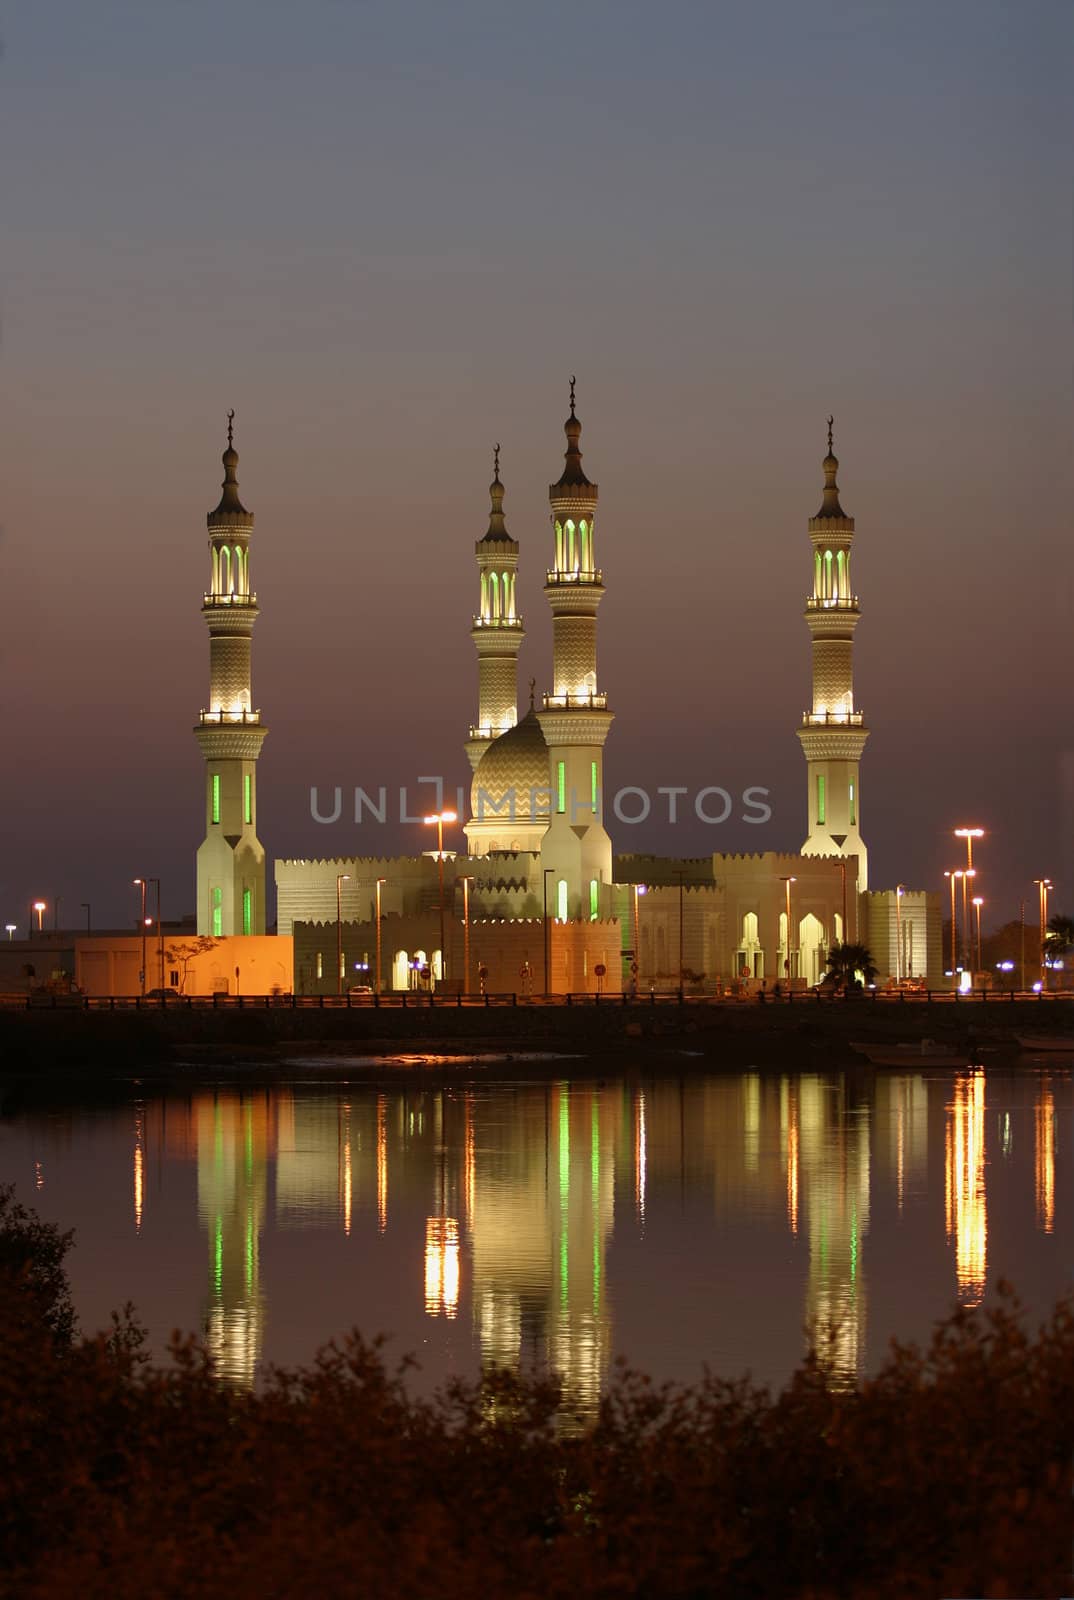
x: 978, y: 902
x: 160, y: 932
x: 466, y: 880
x: 141, y: 883
x: 899, y: 890
x: 787, y: 963
x: 341, y: 879
x: 11, y: 928
x: 380, y: 884
x: 1043, y: 884
x: 680, y: 875
x: 544, y: 923
x: 86, y: 909
x: 639, y: 888
x: 969, y: 834
x: 39, y: 907
x: 954, y: 956
x: 440, y: 817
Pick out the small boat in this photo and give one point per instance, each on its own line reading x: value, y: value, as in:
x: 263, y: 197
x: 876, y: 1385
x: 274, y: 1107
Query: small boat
x: 922, y: 1053
x: 1046, y: 1042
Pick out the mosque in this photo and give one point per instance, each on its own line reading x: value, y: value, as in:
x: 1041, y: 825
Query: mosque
x: 540, y: 901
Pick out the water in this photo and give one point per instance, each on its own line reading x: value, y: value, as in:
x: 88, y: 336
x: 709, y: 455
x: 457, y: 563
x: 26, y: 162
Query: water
x: 675, y: 1222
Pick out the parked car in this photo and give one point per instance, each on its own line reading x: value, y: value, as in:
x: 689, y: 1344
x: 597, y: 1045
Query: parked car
x: 162, y: 996
x: 360, y: 989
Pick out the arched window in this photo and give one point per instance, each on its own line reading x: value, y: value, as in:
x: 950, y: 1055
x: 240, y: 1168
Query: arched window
x: 494, y: 596
x: 484, y: 597
x: 587, y: 559
x: 572, y: 548
x: 561, y: 900
x: 594, y: 899
x: 827, y: 575
x: 817, y: 580
x: 216, y: 570
x: 840, y: 577
x: 559, y: 547
x: 508, y: 598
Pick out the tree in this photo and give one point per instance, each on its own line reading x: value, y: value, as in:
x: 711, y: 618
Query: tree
x: 31, y: 1267
x: 851, y: 964
x: 1059, y: 941
x: 183, y: 954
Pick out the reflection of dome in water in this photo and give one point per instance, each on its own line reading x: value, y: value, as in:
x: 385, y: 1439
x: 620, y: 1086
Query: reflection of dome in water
x: 512, y: 768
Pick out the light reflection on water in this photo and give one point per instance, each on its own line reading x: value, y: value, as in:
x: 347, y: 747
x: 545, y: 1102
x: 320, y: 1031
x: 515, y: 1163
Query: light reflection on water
x: 675, y: 1221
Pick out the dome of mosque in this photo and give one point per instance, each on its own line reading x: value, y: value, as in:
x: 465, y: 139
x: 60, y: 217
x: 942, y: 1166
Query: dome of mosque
x: 511, y: 779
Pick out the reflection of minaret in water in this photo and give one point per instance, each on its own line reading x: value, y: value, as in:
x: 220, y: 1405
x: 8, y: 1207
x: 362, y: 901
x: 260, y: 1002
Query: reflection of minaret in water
x: 542, y: 1217
x: 833, y: 1162
x: 232, y: 1143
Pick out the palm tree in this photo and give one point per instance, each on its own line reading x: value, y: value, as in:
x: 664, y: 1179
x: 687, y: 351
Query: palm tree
x: 1059, y: 941
x: 851, y: 964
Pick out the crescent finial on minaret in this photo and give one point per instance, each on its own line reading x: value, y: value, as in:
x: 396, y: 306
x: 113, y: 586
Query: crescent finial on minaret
x: 230, y: 434
x: 496, y: 463
x: 533, y: 690
x: 574, y: 380
x: 831, y: 424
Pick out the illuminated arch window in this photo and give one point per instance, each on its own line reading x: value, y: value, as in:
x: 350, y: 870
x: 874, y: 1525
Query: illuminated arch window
x: 494, y: 596
x: 225, y: 570
x: 840, y: 576
x: 247, y: 912
x: 561, y: 899
x: 217, y: 899
x: 594, y: 899
x: 584, y: 541
x: 508, y: 599
x: 559, y: 547
x: 827, y: 575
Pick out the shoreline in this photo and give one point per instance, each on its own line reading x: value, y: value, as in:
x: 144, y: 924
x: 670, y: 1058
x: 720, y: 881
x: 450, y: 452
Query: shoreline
x: 53, y: 1051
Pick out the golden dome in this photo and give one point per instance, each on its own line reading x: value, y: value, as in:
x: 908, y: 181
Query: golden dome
x: 511, y: 779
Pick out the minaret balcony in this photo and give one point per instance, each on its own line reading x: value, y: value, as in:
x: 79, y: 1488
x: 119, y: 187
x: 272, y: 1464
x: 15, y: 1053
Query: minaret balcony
x: 482, y: 733
x: 226, y: 718
x: 231, y: 600
x: 848, y: 604
x: 571, y: 578
x: 833, y: 719
x: 501, y: 624
x: 574, y: 702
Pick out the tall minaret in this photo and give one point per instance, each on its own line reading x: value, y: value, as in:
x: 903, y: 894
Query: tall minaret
x: 575, y: 718
x: 231, y: 860
x: 833, y: 734
x: 497, y: 631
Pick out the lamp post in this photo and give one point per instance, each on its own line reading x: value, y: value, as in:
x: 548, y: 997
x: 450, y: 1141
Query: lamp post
x: 680, y: 875
x: 440, y: 817
x: 160, y: 932
x: 466, y: 881
x: 380, y: 884
x: 978, y: 902
x: 10, y: 929
x: 843, y: 875
x: 787, y: 963
x: 86, y: 909
x: 954, y: 947
x: 639, y: 888
x: 140, y: 882
x: 899, y: 888
x: 1022, y: 931
x: 967, y: 941
x: 544, y: 922
x: 341, y: 879
x: 39, y: 907
x: 1043, y: 884
x: 969, y: 834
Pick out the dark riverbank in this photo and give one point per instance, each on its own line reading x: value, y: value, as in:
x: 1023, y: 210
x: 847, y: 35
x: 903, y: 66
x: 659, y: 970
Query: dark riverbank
x: 168, y: 1045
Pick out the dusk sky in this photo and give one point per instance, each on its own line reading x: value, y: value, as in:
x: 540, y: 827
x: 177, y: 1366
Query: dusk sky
x: 387, y: 234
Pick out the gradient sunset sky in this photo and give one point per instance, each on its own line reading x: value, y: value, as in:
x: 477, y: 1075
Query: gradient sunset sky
x: 387, y: 234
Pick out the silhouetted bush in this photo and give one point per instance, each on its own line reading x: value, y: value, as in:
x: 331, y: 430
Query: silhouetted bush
x: 948, y: 1473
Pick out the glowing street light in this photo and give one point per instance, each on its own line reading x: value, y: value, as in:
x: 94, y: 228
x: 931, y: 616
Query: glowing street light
x: 787, y: 962
x: 10, y: 927
x: 141, y: 882
x: 1043, y: 884
x: 978, y: 902
x: 900, y: 890
x: 380, y: 885
x: 969, y: 834
x: 466, y: 880
x: 440, y: 817
x: 639, y: 888
x: 39, y: 907
x: 341, y: 879
x: 954, y: 945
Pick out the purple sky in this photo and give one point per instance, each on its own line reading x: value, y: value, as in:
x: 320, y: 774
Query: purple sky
x: 387, y: 234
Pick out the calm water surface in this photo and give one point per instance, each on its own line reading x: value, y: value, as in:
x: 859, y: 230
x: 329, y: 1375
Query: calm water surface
x: 675, y: 1223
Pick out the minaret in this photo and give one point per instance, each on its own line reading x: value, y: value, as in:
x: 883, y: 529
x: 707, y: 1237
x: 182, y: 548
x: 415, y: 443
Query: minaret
x: 231, y: 860
x: 833, y: 734
x: 497, y: 631
x: 574, y: 717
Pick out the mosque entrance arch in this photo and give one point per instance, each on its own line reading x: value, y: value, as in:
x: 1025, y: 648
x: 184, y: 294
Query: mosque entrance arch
x: 812, y: 949
x: 749, y: 957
